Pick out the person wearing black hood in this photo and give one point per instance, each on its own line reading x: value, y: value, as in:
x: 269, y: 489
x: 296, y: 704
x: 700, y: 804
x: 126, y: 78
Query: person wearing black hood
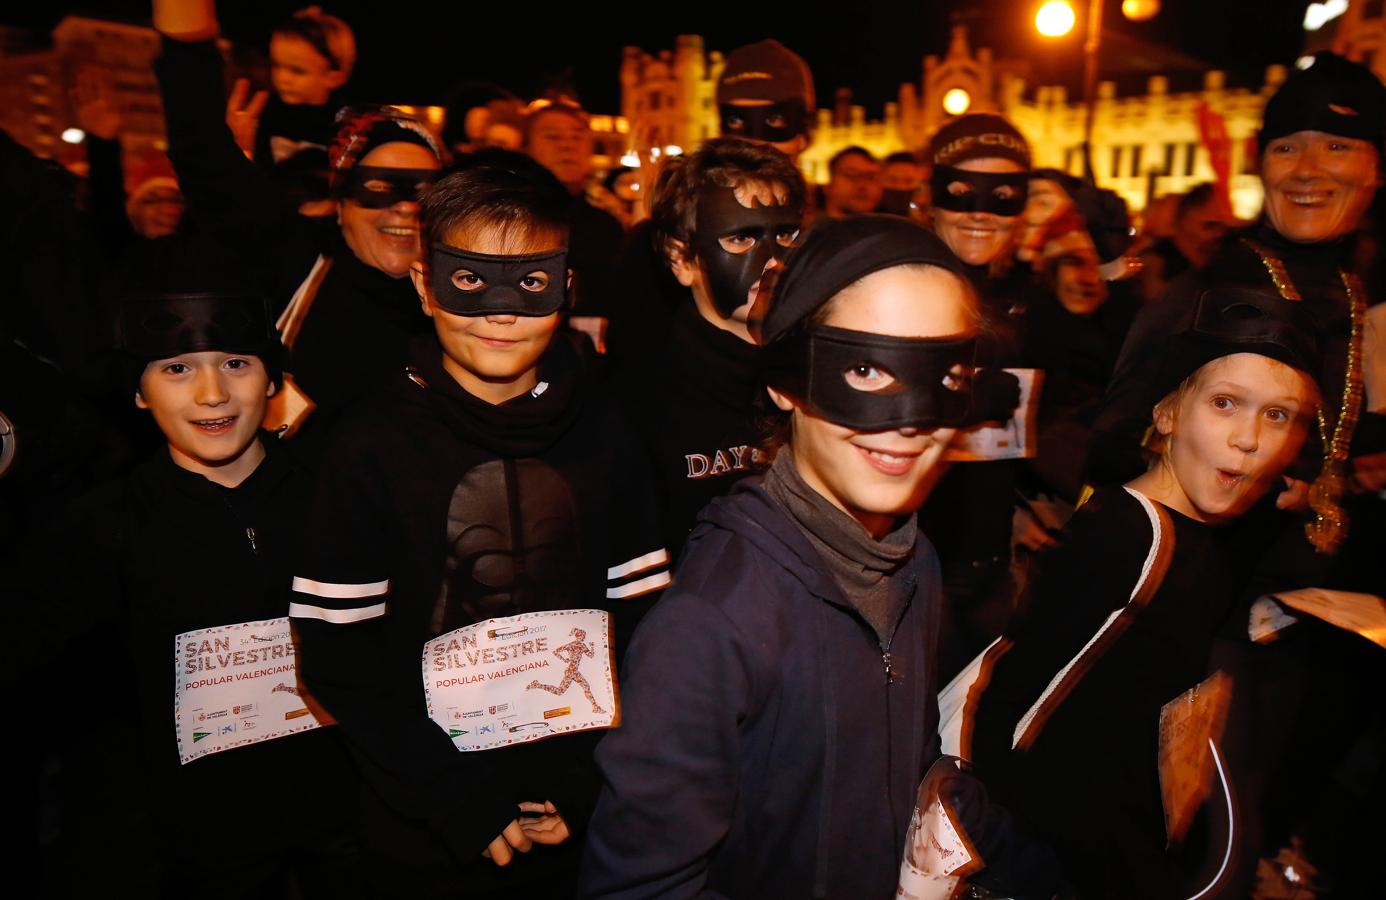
x: 780, y: 700
x: 1321, y: 144
x: 489, y: 479
x: 726, y: 215
x: 345, y: 307
x: 182, y: 583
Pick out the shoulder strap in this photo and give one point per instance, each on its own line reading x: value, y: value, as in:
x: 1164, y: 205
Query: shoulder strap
x: 1152, y: 575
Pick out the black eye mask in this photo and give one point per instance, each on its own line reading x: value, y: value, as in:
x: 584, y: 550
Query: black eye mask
x: 730, y: 275
x: 405, y: 185
x: 982, y: 196
x: 501, y: 291
x: 755, y: 122
x: 927, y: 391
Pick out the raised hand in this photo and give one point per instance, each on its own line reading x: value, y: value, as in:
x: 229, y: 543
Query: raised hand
x: 242, y: 117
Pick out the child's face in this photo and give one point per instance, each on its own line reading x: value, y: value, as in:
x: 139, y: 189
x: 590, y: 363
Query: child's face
x: 209, y: 406
x: 742, y: 233
x: 876, y: 477
x: 1232, y: 434
x: 496, y: 356
x: 300, y: 74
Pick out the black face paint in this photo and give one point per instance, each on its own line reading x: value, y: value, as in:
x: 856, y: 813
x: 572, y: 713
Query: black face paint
x: 731, y: 275
x: 404, y: 185
x: 931, y: 386
x: 501, y: 285
x: 985, y: 191
x: 773, y: 123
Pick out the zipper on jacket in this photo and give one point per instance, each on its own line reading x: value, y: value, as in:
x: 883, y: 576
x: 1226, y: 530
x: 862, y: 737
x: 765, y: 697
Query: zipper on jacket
x: 885, y: 659
x: 250, y: 536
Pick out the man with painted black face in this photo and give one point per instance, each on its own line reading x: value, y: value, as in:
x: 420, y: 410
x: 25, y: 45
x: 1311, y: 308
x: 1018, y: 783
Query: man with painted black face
x: 764, y: 96
x: 344, y: 304
x: 724, y: 217
x: 1321, y: 144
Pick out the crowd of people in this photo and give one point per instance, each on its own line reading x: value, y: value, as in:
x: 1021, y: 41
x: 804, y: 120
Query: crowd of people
x: 931, y: 532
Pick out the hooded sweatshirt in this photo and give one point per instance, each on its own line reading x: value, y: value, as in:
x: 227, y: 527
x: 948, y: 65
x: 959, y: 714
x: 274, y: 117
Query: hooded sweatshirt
x: 772, y: 741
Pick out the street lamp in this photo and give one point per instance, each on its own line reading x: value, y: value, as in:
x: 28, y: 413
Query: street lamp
x: 956, y: 102
x: 1056, y: 18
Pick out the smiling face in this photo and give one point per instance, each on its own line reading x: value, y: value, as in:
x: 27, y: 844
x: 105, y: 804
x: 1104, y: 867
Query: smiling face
x: 1231, y: 431
x: 977, y: 238
x: 494, y: 357
x: 300, y: 74
x: 209, y: 406
x: 387, y: 238
x: 1318, y: 185
x: 877, y: 477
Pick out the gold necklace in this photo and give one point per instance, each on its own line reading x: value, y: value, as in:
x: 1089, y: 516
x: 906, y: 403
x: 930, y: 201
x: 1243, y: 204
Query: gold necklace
x: 1329, y: 527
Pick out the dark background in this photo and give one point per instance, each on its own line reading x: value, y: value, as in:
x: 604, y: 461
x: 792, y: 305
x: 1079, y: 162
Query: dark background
x: 412, y: 52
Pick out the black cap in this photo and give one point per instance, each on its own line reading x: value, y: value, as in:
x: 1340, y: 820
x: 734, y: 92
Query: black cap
x: 765, y: 71
x: 838, y: 252
x: 1334, y: 95
x: 186, y: 295
x: 978, y: 136
x: 1230, y: 320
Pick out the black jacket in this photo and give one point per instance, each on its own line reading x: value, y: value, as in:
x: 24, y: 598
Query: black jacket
x: 767, y: 749
x: 170, y: 552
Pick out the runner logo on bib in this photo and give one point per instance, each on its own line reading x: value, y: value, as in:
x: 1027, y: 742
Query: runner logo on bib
x: 236, y: 685
x: 522, y: 678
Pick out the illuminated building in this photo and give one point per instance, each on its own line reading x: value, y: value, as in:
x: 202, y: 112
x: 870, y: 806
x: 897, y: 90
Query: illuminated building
x: 1144, y: 146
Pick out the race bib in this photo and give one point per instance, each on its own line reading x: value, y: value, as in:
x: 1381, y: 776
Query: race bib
x: 522, y: 678
x: 236, y: 685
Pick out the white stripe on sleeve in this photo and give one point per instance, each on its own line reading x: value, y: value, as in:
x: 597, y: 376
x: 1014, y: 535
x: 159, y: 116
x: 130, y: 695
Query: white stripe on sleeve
x: 336, y: 616
x: 332, y: 591
x: 636, y: 588
x: 654, y: 558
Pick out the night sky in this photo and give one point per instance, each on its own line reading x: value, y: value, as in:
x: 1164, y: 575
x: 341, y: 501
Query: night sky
x: 411, y: 52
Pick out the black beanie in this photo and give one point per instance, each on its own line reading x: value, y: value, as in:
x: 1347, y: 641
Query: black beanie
x: 838, y: 252
x: 1230, y: 320
x: 186, y: 295
x: 1335, y: 96
x: 978, y: 136
x: 359, y: 132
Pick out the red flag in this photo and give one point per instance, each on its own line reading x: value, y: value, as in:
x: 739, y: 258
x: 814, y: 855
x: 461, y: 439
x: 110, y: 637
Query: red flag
x: 1212, y: 130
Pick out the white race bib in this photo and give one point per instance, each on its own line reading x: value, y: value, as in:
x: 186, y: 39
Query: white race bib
x: 236, y: 685
x: 522, y: 678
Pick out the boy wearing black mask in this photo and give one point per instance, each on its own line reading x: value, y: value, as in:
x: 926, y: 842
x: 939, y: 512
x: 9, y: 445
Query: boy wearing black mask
x: 478, y: 486
x: 724, y: 217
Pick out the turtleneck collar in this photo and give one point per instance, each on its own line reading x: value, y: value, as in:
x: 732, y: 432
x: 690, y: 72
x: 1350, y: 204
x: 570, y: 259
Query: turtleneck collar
x: 860, y: 565
x: 525, y: 426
